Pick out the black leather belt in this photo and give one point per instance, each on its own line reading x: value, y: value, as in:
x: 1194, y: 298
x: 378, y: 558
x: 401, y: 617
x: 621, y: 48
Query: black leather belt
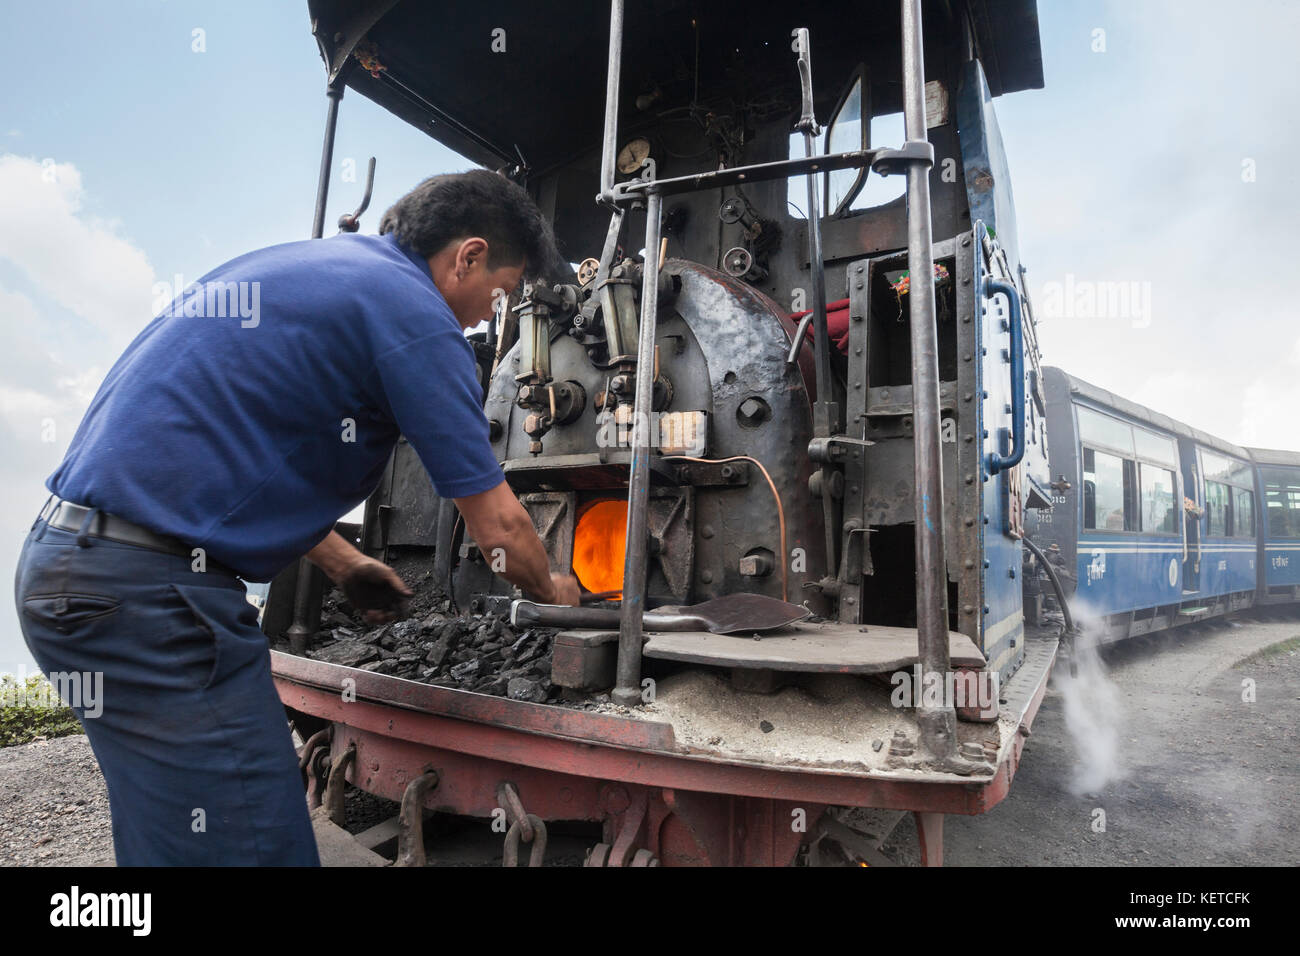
x: 67, y: 516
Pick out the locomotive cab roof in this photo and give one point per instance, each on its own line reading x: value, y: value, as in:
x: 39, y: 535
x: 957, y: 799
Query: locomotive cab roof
x: 499, y: 81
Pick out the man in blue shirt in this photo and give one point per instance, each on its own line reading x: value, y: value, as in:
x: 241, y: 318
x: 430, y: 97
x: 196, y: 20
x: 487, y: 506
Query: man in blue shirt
x: 256, y: 409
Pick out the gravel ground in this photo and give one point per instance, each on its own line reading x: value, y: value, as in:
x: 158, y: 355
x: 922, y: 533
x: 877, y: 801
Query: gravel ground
x: 54, y: 805
x: 1184, y: 771
x: 1192, y: 774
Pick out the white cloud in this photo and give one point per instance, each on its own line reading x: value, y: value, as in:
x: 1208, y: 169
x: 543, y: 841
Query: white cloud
x: 1269, y: 406
x: 79, y: 261
x: 91, y: 292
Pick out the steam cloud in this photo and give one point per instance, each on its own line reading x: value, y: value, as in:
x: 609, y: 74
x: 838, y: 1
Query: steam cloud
x: 1093, y: 712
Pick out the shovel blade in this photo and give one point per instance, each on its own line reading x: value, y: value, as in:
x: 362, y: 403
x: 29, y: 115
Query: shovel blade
x: 746, y: 613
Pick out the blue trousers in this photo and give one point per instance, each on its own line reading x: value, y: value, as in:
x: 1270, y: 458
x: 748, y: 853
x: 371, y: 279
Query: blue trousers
x: 174, y: 680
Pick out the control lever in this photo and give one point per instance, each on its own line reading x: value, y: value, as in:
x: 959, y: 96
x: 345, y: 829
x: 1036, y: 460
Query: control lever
x: 825, y: 414
x: 351, y: 223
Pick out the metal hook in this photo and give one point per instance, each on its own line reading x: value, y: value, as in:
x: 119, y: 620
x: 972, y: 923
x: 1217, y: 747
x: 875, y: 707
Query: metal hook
x: 510, y: 856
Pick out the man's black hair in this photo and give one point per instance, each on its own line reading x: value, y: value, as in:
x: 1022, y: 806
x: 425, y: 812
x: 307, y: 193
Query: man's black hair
x: 474, y: 203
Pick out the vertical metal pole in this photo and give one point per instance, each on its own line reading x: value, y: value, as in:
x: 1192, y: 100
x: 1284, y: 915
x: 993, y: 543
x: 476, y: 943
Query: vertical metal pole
x: 627, y: 689
x: 937, y: 724
x: 335, y: 93
x: 822, y: 425
x: 823, y: 413
x: 609, y: 144
x: 825, y: 410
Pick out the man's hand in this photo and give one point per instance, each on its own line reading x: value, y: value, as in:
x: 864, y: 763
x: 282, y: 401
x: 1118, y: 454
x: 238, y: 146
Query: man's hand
x: 566, y: 590
x: 372, y: 587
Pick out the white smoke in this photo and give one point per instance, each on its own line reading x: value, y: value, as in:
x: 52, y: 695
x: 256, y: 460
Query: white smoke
x: 1093, y: 710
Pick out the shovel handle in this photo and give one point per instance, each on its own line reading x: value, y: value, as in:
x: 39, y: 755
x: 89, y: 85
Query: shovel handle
x: 529, y: 613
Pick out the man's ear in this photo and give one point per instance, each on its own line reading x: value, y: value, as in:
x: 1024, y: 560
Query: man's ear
x: 471, y: 250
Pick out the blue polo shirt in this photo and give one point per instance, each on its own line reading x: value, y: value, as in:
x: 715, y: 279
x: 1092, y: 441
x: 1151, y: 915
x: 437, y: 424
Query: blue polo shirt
x: 263, y: 403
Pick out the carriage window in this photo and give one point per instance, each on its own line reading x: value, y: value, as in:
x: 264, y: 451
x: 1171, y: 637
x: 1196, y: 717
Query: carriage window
x: 1158, y: 514
x: 1218, y: 468
x: 1107, y: 481
x: 1098, y: 429
x: 1216, y: 506
x: 1243, y: 513
x: 1282, y: 502
x: 1155, y: 447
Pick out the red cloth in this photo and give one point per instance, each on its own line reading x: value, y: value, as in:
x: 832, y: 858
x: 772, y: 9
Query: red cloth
x: 837, y: 323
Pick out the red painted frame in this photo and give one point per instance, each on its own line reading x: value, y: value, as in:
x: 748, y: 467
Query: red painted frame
x: 574, y: 765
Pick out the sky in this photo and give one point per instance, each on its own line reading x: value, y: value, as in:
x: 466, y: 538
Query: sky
x: 146, y: 139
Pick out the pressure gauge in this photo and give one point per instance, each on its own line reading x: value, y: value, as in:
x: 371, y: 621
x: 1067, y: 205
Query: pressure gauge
x: 632, y: 155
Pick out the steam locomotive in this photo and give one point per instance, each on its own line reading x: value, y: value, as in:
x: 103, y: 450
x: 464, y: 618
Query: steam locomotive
x: 753, y: 379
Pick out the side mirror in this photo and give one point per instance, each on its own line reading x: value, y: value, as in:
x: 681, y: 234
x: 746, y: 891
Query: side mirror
x: 849, y: 129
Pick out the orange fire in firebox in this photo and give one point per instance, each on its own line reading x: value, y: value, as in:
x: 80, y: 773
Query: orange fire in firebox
x: 599, y: 543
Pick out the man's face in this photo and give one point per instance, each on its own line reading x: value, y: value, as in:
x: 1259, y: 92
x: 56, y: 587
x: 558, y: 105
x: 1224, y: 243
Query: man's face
x: 461, y: 274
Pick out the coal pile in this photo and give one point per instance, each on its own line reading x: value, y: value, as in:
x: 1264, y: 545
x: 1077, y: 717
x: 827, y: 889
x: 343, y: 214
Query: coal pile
x: 481, y: 653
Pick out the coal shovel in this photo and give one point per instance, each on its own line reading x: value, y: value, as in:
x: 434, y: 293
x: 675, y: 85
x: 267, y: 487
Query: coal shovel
x: 729, y: 614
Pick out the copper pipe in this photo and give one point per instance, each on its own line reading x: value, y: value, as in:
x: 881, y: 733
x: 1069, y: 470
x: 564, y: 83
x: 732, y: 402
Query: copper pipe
x: 780, y: 510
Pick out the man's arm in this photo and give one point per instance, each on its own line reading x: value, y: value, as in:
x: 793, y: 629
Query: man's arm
x: 496, y: 520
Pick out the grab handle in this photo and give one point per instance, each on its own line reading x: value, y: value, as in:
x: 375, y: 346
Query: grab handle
x: 997, y: 462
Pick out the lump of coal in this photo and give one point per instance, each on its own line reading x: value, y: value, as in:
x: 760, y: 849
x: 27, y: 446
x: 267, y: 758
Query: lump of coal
x: 380, y: 667
x: 466, y: 670
x: 521, y: 688
x: 405, y: 631
x: 437, y: 653
x: 348, y: 653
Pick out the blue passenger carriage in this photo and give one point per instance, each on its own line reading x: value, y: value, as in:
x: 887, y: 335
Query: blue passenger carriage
x: 1278, y: 480
x: 1153, y: 522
